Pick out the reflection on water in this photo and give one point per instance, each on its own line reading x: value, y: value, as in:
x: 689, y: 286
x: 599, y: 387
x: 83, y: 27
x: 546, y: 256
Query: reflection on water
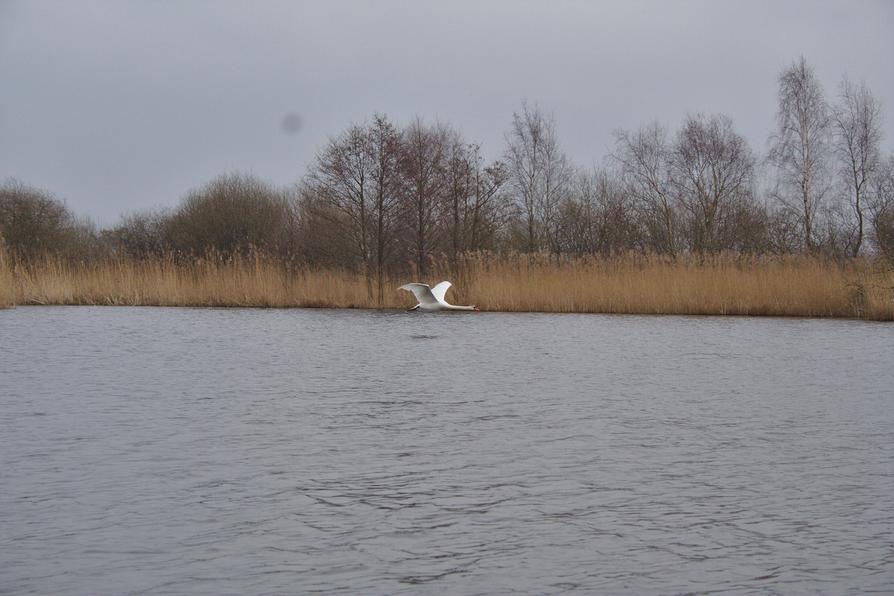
x: 252, y: 451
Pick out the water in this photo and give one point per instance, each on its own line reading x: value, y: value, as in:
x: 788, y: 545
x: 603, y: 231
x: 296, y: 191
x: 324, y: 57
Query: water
x: 171, y: 451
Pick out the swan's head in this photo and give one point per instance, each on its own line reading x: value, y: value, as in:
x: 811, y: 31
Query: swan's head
x: 476, y: 309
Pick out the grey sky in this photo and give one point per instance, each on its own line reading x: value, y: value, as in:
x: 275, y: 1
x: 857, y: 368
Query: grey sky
x: 122, y: 106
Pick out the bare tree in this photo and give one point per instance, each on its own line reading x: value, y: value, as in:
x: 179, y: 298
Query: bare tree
x: 34, y: 224
x: 474, y: 207
x: 799, y: 148
x: 578, y: 215
x: 489, y: 208
x: 341, y: 183
x: 881, y: 207
x: 617, y: 228
x: 378, y: 197
x: 712, y: 171
x: 540, y: 174
x: 858, y: 132
x: 423, y: 167
x: 596, y: 215
x: 458, y: 179
x: 644, y: 161
x: 385, y: 147
x: 141, y: 235
x: 232, y: 214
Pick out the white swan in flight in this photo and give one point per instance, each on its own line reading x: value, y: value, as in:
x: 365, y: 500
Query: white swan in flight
x: 432, y: 299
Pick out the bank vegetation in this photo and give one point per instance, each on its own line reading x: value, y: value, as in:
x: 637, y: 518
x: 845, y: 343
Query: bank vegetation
x: 688, y: 221
x: 720, y: 285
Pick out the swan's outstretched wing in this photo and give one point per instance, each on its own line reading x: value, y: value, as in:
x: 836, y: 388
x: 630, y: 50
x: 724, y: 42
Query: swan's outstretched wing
x: 422, y: 292
x: 440, y: 290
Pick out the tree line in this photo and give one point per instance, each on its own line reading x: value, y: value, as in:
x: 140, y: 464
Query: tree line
x: 382, y: 198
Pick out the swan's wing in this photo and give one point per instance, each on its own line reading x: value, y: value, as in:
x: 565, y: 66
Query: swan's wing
x: 422, y: 292
x: 440, y: 290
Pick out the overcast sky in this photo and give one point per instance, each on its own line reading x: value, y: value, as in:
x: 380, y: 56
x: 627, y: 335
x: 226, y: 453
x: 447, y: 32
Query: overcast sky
x: 122, y: 106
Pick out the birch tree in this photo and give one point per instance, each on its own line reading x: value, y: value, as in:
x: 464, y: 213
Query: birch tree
x: 858, y: 133
x: 800, y: 146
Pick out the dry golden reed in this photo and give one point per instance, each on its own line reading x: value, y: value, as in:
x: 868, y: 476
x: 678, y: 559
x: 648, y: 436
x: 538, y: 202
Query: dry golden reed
x: 723, y: 285
x: 7, y: 291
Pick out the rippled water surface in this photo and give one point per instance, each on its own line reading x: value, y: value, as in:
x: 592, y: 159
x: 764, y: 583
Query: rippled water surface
x: 171, y: 451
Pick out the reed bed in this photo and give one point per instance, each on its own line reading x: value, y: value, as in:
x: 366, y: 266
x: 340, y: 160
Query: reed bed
x: 723, y: 285
x: 256, y: 282
x: 7, y: 285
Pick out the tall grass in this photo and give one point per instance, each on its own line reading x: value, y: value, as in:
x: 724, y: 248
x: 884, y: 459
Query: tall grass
x: 723, y: 285
x: 7, y: 287
x: 245, y: 282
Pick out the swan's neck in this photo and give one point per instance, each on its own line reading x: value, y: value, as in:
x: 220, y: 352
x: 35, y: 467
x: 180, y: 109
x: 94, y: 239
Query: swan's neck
x: 453, y: 307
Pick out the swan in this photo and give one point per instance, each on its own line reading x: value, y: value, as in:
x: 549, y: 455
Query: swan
x: 432, y: 299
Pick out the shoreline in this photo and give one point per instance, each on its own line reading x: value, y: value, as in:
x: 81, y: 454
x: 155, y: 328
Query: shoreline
x: 802, y: 287
x: 391, y: 310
